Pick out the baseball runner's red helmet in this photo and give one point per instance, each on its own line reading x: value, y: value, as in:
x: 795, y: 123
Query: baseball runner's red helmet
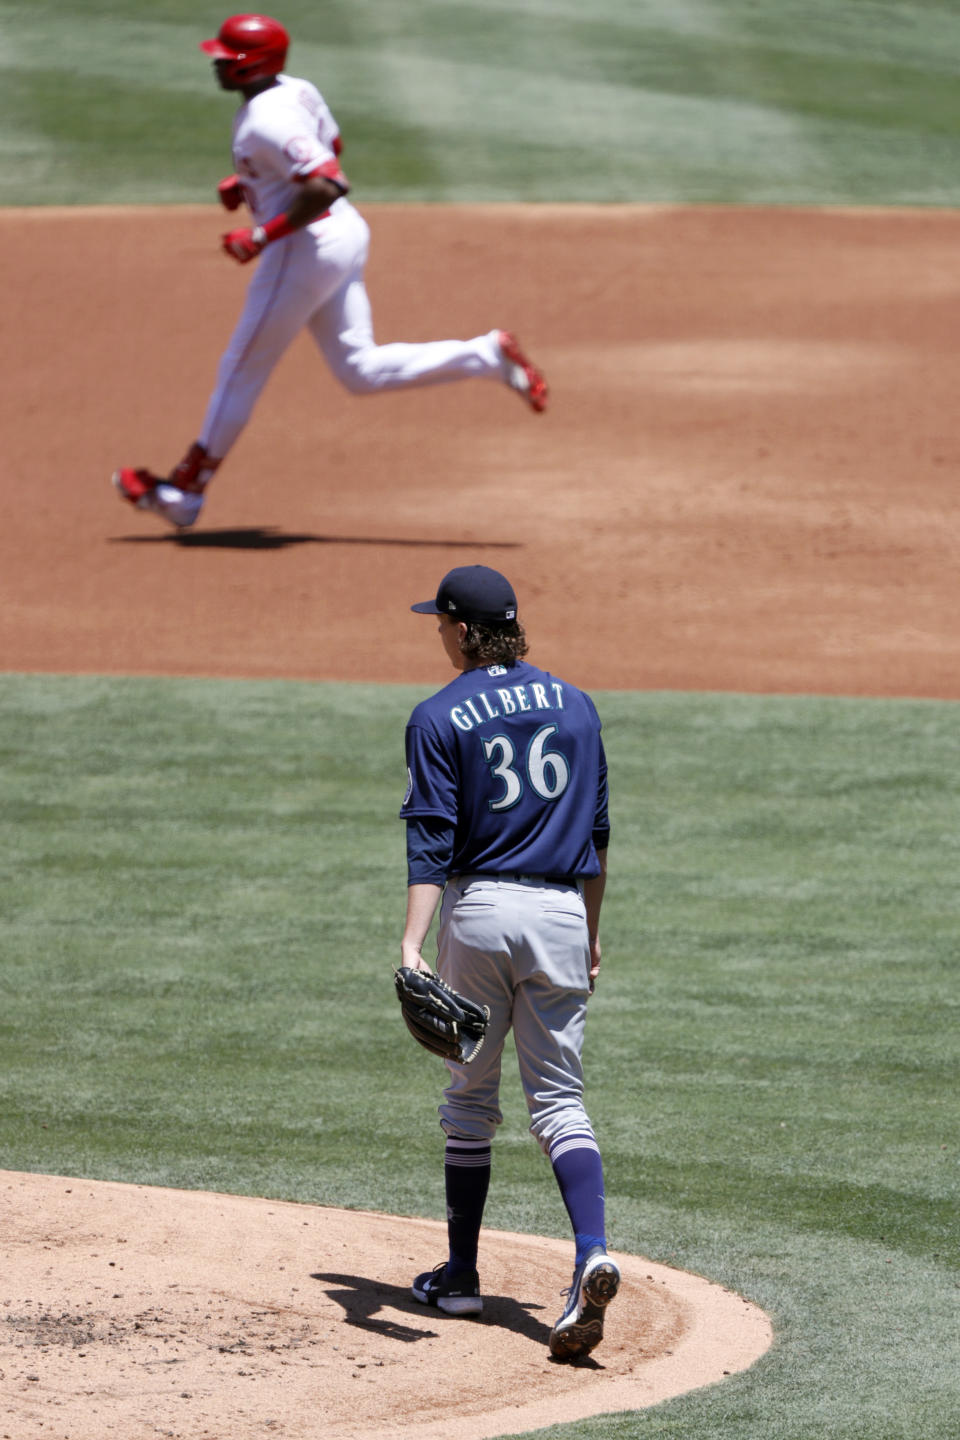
x: 254, y: 47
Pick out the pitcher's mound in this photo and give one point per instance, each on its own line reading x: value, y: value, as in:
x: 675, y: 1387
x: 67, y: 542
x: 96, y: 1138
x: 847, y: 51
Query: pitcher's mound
x: 137, y: 1312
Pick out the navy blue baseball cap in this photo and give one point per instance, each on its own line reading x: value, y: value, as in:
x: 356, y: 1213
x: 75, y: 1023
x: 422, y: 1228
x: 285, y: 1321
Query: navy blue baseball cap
x: 472, y: 592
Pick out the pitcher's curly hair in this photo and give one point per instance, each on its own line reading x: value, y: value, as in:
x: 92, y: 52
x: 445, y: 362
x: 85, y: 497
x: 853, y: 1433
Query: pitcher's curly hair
x: 499, y: 644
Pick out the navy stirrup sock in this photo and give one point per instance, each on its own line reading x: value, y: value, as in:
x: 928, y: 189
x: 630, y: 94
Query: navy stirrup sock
x: 466, y: 1171
x: 579, y: 1170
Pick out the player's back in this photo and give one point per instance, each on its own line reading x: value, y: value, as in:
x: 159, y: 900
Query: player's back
x: 521, y: 749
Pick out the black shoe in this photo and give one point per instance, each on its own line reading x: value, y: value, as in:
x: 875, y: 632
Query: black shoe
x: 457, y: 1295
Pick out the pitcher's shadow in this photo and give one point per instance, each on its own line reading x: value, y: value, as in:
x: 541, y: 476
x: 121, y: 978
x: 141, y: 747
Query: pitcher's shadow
x: 363, y: 1298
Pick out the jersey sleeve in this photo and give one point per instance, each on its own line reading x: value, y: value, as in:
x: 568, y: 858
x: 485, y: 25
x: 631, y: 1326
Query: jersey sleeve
x: 601, y: 820
x: 290, y: 146
x: 327, y: 134
x: 431, y: 776
x: 429, y: 851
x: 327, y: 128
x: 305, y: 155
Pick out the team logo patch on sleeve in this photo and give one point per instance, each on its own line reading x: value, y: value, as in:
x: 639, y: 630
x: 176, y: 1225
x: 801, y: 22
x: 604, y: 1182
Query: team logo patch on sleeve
x: 299, y: 149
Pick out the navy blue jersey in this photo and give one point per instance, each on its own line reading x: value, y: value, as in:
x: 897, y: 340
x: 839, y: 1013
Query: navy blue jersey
x: 512, y: 759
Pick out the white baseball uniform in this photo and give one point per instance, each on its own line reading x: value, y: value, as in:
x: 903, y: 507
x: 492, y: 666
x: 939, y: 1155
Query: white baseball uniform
x: 313, y: 278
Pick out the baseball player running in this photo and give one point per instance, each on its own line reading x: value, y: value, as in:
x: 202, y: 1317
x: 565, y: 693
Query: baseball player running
x: 506, y: 814
x: 313, y: 247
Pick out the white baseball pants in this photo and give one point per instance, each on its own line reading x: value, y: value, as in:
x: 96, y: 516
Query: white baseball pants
x: 314, y: 279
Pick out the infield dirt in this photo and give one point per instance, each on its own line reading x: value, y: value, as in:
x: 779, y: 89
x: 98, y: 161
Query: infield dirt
x: 745, y: 481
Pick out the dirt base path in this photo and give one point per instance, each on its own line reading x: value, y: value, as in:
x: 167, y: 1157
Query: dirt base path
x: 747, y: 479
x: 137, y: 1312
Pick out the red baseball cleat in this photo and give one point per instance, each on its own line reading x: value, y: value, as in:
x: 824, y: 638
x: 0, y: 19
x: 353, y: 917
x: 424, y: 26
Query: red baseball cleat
x: 134, y: 485
x: 146, y: 491
x: 520, y: 374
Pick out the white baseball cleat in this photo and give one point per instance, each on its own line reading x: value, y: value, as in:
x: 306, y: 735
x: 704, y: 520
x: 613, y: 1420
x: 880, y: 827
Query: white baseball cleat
x: 145, y: 491
x: 580, y: 1328
x: 520, y: 373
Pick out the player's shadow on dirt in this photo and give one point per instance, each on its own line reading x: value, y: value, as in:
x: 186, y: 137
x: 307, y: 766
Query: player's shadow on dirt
x: 362, y: 1300
x: 268, y: 537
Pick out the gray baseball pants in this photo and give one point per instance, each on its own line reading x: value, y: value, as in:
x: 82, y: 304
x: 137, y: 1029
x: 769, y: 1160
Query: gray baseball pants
x: 521, y: 947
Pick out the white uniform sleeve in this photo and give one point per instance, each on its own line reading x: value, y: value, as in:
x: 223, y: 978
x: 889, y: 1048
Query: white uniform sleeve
x: 295, y: 134
x: 284, y: 146
x: 281, y: 137
x: 327, y: 128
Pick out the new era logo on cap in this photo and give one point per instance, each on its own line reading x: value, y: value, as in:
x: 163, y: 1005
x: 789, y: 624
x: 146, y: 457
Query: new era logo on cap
x: 472, y: 592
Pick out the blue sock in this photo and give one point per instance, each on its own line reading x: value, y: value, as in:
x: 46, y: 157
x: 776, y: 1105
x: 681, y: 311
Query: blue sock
x: 579, y: 1170
x: 466, y: 1172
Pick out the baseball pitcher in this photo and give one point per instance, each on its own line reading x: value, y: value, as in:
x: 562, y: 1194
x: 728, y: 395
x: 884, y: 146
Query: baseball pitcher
x: 507, y: 829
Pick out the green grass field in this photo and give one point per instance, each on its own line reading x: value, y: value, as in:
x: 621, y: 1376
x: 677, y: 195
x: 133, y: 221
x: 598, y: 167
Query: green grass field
x: 746, y: 101
x: 194, y: 870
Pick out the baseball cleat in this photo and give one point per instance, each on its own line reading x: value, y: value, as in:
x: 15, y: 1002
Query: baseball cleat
x: 520, y: 374
x: 146, y: 491
x: 134, y: 485
x: 456, y: 1295
x: 580, y: 1328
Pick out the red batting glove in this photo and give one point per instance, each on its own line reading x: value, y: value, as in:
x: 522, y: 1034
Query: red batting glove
x: 244, y: 245
x: 230, y: 192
